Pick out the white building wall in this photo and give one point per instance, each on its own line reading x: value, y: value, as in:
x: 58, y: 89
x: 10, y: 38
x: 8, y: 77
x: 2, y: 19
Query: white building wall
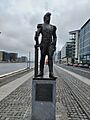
x: 77, y: 45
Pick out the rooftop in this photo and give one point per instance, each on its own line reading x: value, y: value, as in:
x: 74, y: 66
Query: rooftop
x: 74, y: 32
x: 85, y: 23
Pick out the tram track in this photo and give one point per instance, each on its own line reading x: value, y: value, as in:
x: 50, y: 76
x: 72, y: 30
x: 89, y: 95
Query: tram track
x: 80, y: 99
x: 73, y: 97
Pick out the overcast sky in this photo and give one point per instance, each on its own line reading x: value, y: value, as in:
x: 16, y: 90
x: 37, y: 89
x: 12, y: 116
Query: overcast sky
x: 19, y: 18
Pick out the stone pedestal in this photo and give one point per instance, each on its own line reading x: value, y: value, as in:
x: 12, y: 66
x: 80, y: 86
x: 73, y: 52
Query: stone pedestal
x: 43, y: 99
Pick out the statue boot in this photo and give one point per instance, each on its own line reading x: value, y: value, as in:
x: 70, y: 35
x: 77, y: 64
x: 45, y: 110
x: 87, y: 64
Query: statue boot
x: 51, y: 70
x: 51, y: 75
x: 41, y: 71
x: 40, y: 74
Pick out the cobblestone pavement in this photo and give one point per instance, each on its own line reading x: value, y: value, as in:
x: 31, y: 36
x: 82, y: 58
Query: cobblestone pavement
x: 74, y: 96
x: 17, y: 105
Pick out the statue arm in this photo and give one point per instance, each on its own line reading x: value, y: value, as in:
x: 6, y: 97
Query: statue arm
x: 37, y: 33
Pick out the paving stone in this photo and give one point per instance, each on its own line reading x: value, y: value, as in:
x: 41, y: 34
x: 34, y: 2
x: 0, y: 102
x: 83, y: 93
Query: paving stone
x: 17, y: 105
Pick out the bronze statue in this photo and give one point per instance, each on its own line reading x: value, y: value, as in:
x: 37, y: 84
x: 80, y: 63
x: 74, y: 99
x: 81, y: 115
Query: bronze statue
x: 48, y: 43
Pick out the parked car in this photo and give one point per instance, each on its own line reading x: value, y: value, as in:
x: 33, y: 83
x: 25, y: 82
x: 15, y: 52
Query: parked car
x: 75, y: 65
x: 80, y: 65
x: 86, y: 66
x: 70, y: 64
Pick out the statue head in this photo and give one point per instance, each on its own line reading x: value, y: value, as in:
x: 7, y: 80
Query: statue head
x: 47, y: 17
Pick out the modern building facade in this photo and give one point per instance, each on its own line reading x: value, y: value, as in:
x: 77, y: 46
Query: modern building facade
x: 74, y: 37
x: 13, y: 56
x: 1, y: 55
x: 22, y: 59
x: 57, y: 57
x: 66, y: 53
x: 85, y: 43
x: 5, y: 56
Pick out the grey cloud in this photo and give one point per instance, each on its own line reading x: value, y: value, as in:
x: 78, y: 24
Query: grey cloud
x: 18, y: 21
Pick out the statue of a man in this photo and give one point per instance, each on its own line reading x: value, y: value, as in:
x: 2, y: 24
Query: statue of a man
x: 48, y: 43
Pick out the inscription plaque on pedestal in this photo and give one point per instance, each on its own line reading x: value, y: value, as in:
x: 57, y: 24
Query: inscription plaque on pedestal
x: 43, y: 99
x: 44, y: 92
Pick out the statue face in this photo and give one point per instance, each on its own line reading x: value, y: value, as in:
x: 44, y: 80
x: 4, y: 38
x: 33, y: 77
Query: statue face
x: 47, y: 19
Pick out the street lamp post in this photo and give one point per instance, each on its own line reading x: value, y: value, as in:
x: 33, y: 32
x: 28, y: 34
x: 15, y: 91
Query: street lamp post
x: 29, y: 60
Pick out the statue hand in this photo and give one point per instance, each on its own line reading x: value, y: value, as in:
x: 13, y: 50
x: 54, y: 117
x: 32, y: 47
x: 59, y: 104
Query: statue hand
x: 37, y: 45
x: 52, y: 43
x: 52, y: 47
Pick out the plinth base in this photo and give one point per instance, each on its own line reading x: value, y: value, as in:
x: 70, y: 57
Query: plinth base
x: 43, y: 99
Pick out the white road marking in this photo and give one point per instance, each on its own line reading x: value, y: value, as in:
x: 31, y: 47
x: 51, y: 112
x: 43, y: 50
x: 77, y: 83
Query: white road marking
x: 83, y: 79
x: 6, y: 74
x: 82, y: 70
x: 5, y: 90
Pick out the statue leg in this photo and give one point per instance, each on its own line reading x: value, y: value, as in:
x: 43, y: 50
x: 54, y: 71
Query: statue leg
x: 50, y: 62
x: 42, y: 63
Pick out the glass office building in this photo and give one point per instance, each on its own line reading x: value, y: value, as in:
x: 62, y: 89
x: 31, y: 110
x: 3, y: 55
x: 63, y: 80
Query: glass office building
x: 85, y: 43
x: 66, y: 53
